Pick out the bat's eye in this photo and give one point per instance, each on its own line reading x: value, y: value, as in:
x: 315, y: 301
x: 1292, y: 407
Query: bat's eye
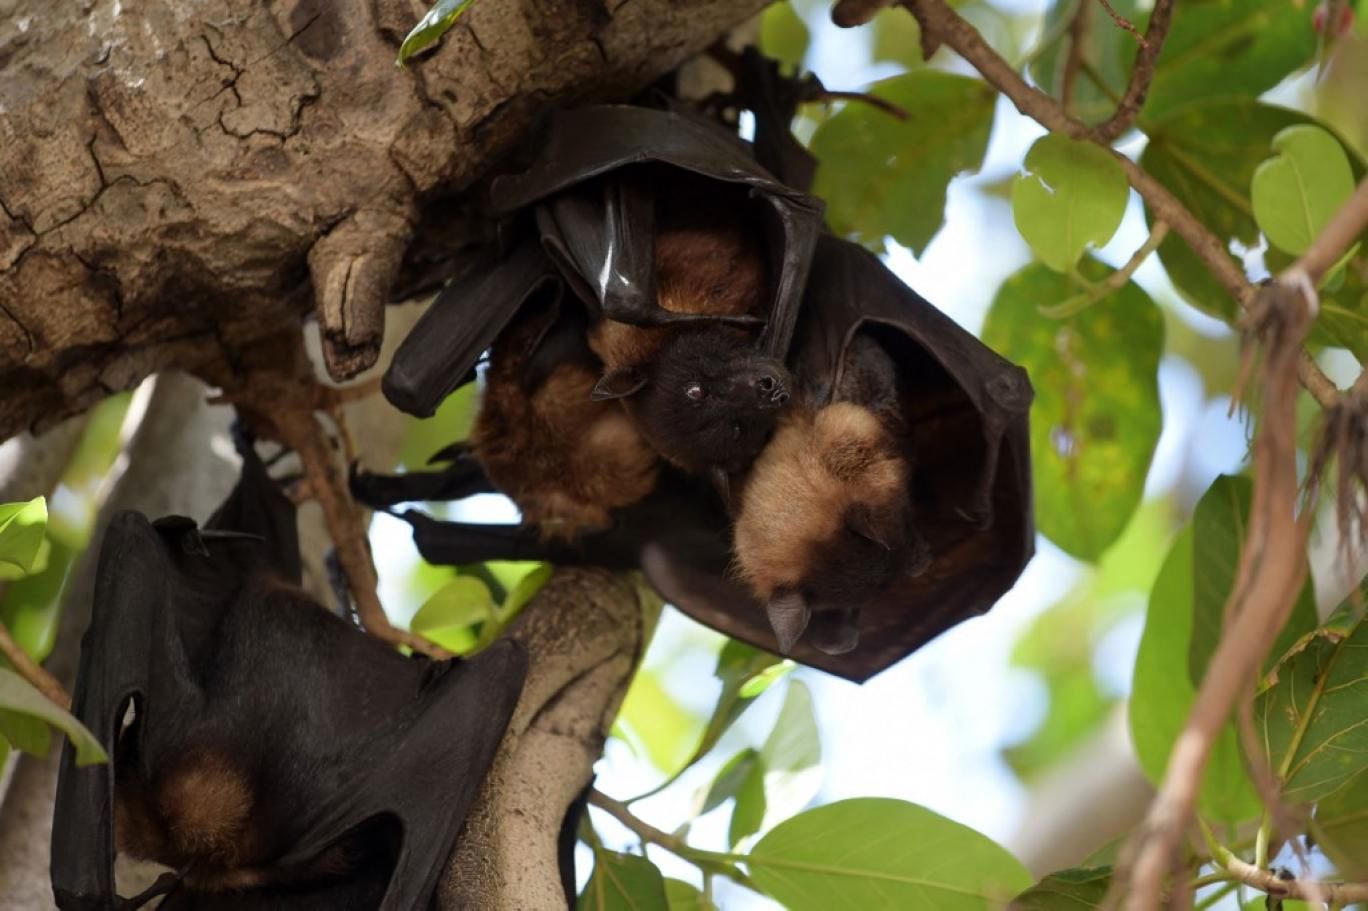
x: 695, y: 392
x: 736, y: 431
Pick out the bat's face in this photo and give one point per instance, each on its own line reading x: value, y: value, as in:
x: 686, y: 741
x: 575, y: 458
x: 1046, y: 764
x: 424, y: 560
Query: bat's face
x: 711, y: 401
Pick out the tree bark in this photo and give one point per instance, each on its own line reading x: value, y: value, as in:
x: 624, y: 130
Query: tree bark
x: 179, y: 181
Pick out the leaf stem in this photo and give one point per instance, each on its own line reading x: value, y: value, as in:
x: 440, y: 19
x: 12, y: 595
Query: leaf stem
x: 719, y: 863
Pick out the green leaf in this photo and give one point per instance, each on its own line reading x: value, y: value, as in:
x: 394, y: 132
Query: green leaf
x: 1111, y: 52
x: 623, y: 882
x: 22, y: 527
x: 525, y: 589
x: 683, y: 896
x: 1162, y: 693
x: 1312, y: 717
x: 1096, y: 417
x: 1224, y: 48
x: 452, y: 421
x: 1206, y: 154
x: 897, y: 37
x: 1342, y: 828
x: 1297, y: 192
x: 792, y: 756
x: 1219, y: 526
x: 876, y: 852
x: 728, y: 780
x: 19, y: 697
x: 783, y: 35
x: 882, y: 176
x: 431, y: 27
x: 1067, y: 890
x: 748, y: 815
x: 31, y: 607
x: 1073, y: 194
x: 25, y: 733
x: 662, y: 728
x: 448, y: 616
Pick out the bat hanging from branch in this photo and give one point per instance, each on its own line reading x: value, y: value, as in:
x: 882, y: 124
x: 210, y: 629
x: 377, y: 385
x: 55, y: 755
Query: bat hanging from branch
x: 270, y: 753
x: 889, y: 499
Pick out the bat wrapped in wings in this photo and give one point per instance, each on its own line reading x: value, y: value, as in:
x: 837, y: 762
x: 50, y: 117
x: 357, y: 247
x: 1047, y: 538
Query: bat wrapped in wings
x: 276, y: 757
x: 892, y: 502
x: 687, y: 257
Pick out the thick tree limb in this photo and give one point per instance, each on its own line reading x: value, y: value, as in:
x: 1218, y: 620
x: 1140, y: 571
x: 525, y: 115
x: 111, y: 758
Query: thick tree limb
x: 175, y: 188
x: 584, y: 632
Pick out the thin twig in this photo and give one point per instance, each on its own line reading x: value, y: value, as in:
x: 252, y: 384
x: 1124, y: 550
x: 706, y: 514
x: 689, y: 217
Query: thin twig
x: 940, y: 23
x: 32, y: 671
x: 850, y: 13
x: 1124, y: 24
x: 1114, y: 282
x: 1267, y: 881
x: 1074, y: 60
x: 1141, y: 74
x: 893, y: 110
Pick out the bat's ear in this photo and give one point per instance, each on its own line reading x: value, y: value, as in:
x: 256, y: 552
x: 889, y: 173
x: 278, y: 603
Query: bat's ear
x: 618, y: 384
x: 788, y: 616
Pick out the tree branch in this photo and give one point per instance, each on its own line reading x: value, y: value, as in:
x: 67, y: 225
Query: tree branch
x: 32, y: 671
x: 1141, y: 75
x: 940, y: 23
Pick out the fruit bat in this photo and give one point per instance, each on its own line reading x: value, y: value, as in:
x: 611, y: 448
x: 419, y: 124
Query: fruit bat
x: 269, y: 752
x: 687, y: 255
x: 950, y: 417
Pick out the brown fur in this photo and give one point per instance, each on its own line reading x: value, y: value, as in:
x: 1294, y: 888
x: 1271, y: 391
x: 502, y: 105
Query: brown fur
x: 199, y: 811
x: 565, y: 460
x: 817, y: 466
x: 714, y: 269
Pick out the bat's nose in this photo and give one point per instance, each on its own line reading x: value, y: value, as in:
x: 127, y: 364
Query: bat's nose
x: 771, y: 390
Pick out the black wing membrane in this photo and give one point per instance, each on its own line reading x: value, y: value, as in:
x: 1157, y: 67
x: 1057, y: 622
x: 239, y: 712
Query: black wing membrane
x: 345, y: 743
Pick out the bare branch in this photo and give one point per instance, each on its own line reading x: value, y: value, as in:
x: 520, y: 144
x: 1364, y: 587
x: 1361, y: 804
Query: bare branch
x: 850, y: 13
x: 1337, y: 894
x: 1124, y: 24
x: 32, y: 671
x: 1336, y: 237
x: 1141, y: 74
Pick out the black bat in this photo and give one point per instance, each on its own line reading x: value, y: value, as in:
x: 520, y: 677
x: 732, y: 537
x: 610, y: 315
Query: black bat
x: 689, y: 257
x: 277, y: 757
x: 962, y: 529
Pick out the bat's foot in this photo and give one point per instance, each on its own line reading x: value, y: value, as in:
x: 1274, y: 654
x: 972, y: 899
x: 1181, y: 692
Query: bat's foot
x: 386, y: 632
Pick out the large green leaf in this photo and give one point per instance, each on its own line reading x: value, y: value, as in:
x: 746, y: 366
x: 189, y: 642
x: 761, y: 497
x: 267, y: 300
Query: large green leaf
x: 623, y: 882
x: 791, y: 757
x: 19, y: 697
x: 1067, y: 890
x: 1072, y: 195
x: 22, y: 527
x: 31, y: 607
x: 1110, y: 50
x: 748, y: 814
x: 1296, y: 192
x: 882, y: 176
x: 1162, y: 693
x: 1219, y: 522
x: 1096, y: 417
x: 1228, y: 48
x: 875, y: 852
x: 683, y: 896
x: 1342, y: 828
x: 654, y: 721
x: 1312, y: 717
x: 783, y: 35
x: 448, y: 617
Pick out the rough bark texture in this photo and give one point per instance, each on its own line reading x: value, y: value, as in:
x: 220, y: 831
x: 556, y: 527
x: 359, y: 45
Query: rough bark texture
x: 179, y: 180
x: 584, y: 632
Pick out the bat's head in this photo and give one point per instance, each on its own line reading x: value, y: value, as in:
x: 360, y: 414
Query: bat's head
x: 825, y: 525
x: 709, y: 401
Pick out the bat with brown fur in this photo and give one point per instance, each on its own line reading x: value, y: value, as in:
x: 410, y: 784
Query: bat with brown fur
x: 270, y: 753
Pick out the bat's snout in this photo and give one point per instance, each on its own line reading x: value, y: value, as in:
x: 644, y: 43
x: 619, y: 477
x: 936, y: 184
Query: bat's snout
x: 771, y: 387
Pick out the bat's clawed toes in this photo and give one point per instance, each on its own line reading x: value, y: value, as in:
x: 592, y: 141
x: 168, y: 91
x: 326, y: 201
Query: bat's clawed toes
x: 788, y: 616
x: 387, y: 632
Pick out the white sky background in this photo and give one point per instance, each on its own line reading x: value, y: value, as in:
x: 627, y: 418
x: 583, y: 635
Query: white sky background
x: 930, y: 729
